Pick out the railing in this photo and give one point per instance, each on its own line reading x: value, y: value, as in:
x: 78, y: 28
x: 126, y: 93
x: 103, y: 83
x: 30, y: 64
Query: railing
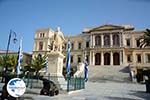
x: 73, y: 83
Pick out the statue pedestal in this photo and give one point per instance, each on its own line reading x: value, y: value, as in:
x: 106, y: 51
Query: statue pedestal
x: 55, y: 68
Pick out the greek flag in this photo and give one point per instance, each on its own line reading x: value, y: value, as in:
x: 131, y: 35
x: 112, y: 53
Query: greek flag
x: 19, y: 58
x: 68, y: 57
x: 46, y: 65
x: 85, y: 69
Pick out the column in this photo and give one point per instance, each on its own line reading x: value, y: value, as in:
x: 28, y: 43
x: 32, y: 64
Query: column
x: 123, y: 40
x: 134, y: 57
x: 111, y: 40
x: 111, y: 58
x: 93, y: 40
x: 90, y: 57
x: 102, y: 40
x: 102, y: 58
x: 93, y: 58
x: 120, y: 39
x: 124, y: 57
x: 121, y: 58
x: 143, y: 58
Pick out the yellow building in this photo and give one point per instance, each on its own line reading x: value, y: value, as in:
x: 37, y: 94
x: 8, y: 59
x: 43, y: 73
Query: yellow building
x: 106, y: 45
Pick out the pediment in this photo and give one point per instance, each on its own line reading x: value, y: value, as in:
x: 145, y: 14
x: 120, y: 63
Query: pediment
x: 107, y: 27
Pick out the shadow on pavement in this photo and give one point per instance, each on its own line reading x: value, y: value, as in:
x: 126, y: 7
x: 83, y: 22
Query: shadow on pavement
x: 141, y: 94
x: 119, y: 98
x: 105, y: 79
x: 125, y: 70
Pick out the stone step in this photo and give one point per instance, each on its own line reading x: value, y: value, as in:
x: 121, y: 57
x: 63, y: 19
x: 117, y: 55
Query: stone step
x: 109, y: 73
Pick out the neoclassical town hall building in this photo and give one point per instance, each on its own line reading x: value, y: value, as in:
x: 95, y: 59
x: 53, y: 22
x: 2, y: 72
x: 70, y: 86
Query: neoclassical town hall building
x: 106, y: 45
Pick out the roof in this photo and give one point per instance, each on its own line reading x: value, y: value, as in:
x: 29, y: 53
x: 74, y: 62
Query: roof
x: 109, y: 27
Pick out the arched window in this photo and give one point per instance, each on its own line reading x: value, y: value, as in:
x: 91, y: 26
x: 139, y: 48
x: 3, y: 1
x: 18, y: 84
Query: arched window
x: 40, y: 45
x: 97, y: 40
x: 116, y: 40
x: 106, y: 40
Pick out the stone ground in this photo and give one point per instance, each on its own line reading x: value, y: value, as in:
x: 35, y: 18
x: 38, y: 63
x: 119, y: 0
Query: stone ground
x: 104, y: 91
x: 109, y: 83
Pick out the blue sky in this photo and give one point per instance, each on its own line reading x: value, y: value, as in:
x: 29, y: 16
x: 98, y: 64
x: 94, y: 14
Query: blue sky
x: 26, y: 16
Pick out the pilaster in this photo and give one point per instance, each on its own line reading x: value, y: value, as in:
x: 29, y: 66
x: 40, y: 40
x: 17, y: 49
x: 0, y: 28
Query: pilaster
x: 102, y: 40
x: 111, y: 60
x: 102, y: 58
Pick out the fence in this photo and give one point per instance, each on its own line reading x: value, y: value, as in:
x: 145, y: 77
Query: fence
x: 72, y: 83
x: 75, y: 83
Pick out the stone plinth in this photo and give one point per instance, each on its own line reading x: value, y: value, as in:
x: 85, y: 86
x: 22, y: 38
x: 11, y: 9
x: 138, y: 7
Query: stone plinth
x: 55, y: 68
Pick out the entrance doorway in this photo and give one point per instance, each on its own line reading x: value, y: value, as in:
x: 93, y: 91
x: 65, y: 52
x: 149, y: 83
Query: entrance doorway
x: 116, y: 59
x: 97, y: 59
x: 106, y: 59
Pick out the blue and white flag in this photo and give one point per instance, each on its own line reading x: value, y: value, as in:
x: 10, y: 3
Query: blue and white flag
x: 46, y: 65
x: 68, y: 57
x: 85, y: 68
x: 19, y: 59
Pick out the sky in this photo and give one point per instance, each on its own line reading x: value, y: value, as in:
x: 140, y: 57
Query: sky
x: 72, y: 16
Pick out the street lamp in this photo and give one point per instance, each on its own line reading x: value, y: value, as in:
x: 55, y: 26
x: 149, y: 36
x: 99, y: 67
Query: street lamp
x: 12, y: 33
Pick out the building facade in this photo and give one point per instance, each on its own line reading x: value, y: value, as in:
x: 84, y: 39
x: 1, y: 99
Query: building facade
x: 106, y: 45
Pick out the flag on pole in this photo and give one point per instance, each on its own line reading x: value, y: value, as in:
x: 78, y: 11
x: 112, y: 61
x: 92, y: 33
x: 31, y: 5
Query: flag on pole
x: 46, y: 65
x: 85, y: 68
x: 68, y: 57
x: 19, y: 58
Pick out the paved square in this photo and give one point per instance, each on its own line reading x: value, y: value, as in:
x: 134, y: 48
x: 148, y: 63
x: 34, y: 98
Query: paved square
x: 105, y: 91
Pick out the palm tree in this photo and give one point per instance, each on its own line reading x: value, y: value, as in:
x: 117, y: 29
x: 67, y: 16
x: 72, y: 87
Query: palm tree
x: 38, y: 63
x: 145, y: 39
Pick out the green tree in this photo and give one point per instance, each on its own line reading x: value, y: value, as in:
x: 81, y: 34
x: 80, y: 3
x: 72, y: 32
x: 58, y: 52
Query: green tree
x: 145, y: 39
x: 10, y: 61
x: 38, y: 62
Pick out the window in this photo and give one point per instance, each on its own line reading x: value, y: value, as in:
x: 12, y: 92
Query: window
x: 139, y: 58
x: 97, y: 40
x: 138, y: 43
x: 106, y: 40
x: 40, y: 45
x: 79, y: 58
x: 71, y: 59
x: 87, y: 44
x: 129, y: 59
x: 116, y: 40
x: 42, y: 34
x: 72, y: 46
x: 128, y: 42
x: 79, y: 45
x: 147, y: 58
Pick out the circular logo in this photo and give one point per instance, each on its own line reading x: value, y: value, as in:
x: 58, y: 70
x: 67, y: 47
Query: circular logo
x: 16, y: 87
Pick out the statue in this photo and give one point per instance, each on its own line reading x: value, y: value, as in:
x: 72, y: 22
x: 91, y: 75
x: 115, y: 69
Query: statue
x: 57, y: 41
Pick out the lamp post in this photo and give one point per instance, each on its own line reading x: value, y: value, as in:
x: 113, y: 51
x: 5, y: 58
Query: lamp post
x: 12, y: 33
x: 4, y: 94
